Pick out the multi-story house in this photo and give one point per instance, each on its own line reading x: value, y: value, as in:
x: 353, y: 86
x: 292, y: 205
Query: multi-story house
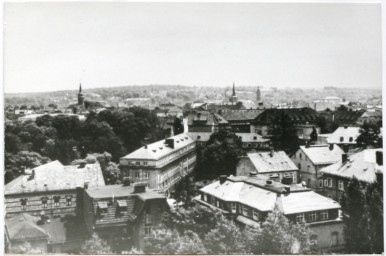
x: 240, y: 120
x: 50, y: 188
x: 364, y: 165
x: 204, y: 121
x: 161, y: 164
x: 122, y: 214
x: 250, y: 199
x: 344, y: 136
x: 311, y: 158
x: 305, y: 120
x: 274, y: 165
x: 253, y: 141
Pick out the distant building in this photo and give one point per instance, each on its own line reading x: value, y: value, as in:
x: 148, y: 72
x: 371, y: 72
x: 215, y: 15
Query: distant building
x: 303, y: 119
x: 50, y: 188
x: 364, y: 165
x: 201, y: 138
x: 161, y: 164
x: 310, y: 159
x: 274, y: 165
x: 250, y: 199
x: 204, y: 121
x: 80, y: 96
x: 372, y: 117
x: 122, y: 214
x: 342, y: 118
x: 233, y: 99
x: 33, y: 117
x: 240, y: 120
x: 253, y: 141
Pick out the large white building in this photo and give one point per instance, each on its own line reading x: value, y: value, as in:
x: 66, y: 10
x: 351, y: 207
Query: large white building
x: 161, y: 164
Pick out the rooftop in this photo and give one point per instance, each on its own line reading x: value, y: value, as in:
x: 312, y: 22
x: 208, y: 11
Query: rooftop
x: 55, y: 176
x: 346, y: 133
x: 251, y: 137
x: 241, y: 115
x: 297, y: 115
x: 362, y: 165
x: 323, y: 154
x: 271, y: 161
x: 159, y: 149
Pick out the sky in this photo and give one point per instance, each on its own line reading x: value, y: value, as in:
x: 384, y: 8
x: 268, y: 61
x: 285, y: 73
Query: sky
x: 56, y: 46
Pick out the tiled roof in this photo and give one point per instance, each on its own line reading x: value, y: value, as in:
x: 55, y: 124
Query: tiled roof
x: 256, y: 193
x: 159, y: 149
x: 297, y: 115
x: 271, y: 162
x: 346, y: 133
x: 241, y: 115
x: 55, y: 176
x: 305, y: 201
x: 200, y: 136
x: 205, y: 118
x: 23, y: 227
x: 321, y: 154
x: 348, y: 117
x: 362, y: 165
x: 251, y: 137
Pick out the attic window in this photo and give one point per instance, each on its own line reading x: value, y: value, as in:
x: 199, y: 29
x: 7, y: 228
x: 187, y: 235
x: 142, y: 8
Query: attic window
x: 254, y: 137
x: 186, y: 137
x: 154, y: 150
x: 341, y: 139
x: 177, y: 141
x: 122, y: 204
x: 198, y: 137
x: 160, y: 147
x: 350, y: 139
x: 23, y: 203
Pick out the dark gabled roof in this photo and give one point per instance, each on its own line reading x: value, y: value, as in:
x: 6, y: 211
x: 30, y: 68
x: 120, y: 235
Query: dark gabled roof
x: 240, y: 115
x: 225, y: 106
x: 297, y: 115
x: 205, y: 118
x: 342, y: 116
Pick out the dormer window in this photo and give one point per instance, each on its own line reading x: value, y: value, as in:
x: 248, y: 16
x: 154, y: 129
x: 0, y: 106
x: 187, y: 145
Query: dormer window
x: 351, y: 139
x: 341, y: 139
x: 101, y: 209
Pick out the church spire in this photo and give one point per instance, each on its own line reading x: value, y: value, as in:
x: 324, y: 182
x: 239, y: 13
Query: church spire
x: 234, y: 91
x: 80, y: 87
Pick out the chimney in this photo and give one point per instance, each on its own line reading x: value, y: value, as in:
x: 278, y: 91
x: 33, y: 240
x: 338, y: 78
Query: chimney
x: 345, y: 127
x: 82, y: 165
x: 223, y: 178
x: 85, y: 185
x: 170, y: 143
x: 145, y: 146
x: 271, y: 153
x: 253, y: 174
x: 331, y: 147
x: 269, y: 182
x: 287, y: 189
x: 126, y: 181
x: 307, y: 144
x: 140, y: 187
x: 344, y: 157
x: 379, y: 157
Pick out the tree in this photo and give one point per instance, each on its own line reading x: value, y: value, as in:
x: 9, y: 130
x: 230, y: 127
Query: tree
x: 219, y: 156
x: 284, y: 134
x: 12, y: 143
x: 185, y: 191
x: 362, y: 208
x: 95, y: 245
x: 279, y: 236
x: 178, y: 126
x: 25, y: 248
x: 369, y: 135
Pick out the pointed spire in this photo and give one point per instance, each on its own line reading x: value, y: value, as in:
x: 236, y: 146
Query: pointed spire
x: 80, y: 87
x: 234, y: 91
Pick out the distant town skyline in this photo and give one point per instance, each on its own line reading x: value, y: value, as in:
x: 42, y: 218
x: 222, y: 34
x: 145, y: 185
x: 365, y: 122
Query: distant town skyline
x: 56, y: 46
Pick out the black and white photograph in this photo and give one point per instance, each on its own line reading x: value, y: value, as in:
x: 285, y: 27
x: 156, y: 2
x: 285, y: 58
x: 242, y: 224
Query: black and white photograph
x: 181, y: 128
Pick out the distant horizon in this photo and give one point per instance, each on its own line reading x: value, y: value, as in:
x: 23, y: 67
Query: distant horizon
x: 51, y: 45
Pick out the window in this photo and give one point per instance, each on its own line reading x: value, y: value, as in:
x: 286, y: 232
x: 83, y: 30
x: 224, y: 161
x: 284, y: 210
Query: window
x: 145, y: 163
x: 44, y: 202
x: 255, y: 215
x: 218, y: 203
x: 341, y: 185
x: 330, y: 183
x: 147, y: 231
x: 137, y: 174
x: 147, y: 218
x: 23, y: 203
x: 69, y: 200
x: 300, y: 155
x: 320, y: 183
x: 213, y: 201
x: 102, y: 207
x: 245, y: 210
x: 205, y: 197
x: 312, y: 216
x: 299, y: 217
x: 138, y: 163
x: 326, y: 183
x: 341, y: 139
x: 145, y: 174
x: 323, y: 215
x: 56, y: 201
x: 308, y: 168
x: 299, y: 166
x: 350, y: 139
x: 233, y: 207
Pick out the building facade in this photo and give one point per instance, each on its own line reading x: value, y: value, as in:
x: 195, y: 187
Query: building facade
x: 311, y: 158
x: 250, y: 199
x: 161, y: 164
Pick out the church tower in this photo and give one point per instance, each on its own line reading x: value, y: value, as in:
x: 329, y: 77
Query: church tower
x: 80, y: 96
x: 258, y: 94
x: 234, y: 97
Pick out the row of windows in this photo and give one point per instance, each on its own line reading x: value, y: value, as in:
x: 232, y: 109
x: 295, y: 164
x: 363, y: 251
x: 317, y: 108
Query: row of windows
x: 141, y: 174
x: 138, y: 163
x: 312, y: 216
x: 328, y: 183
x: 44, y: 201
